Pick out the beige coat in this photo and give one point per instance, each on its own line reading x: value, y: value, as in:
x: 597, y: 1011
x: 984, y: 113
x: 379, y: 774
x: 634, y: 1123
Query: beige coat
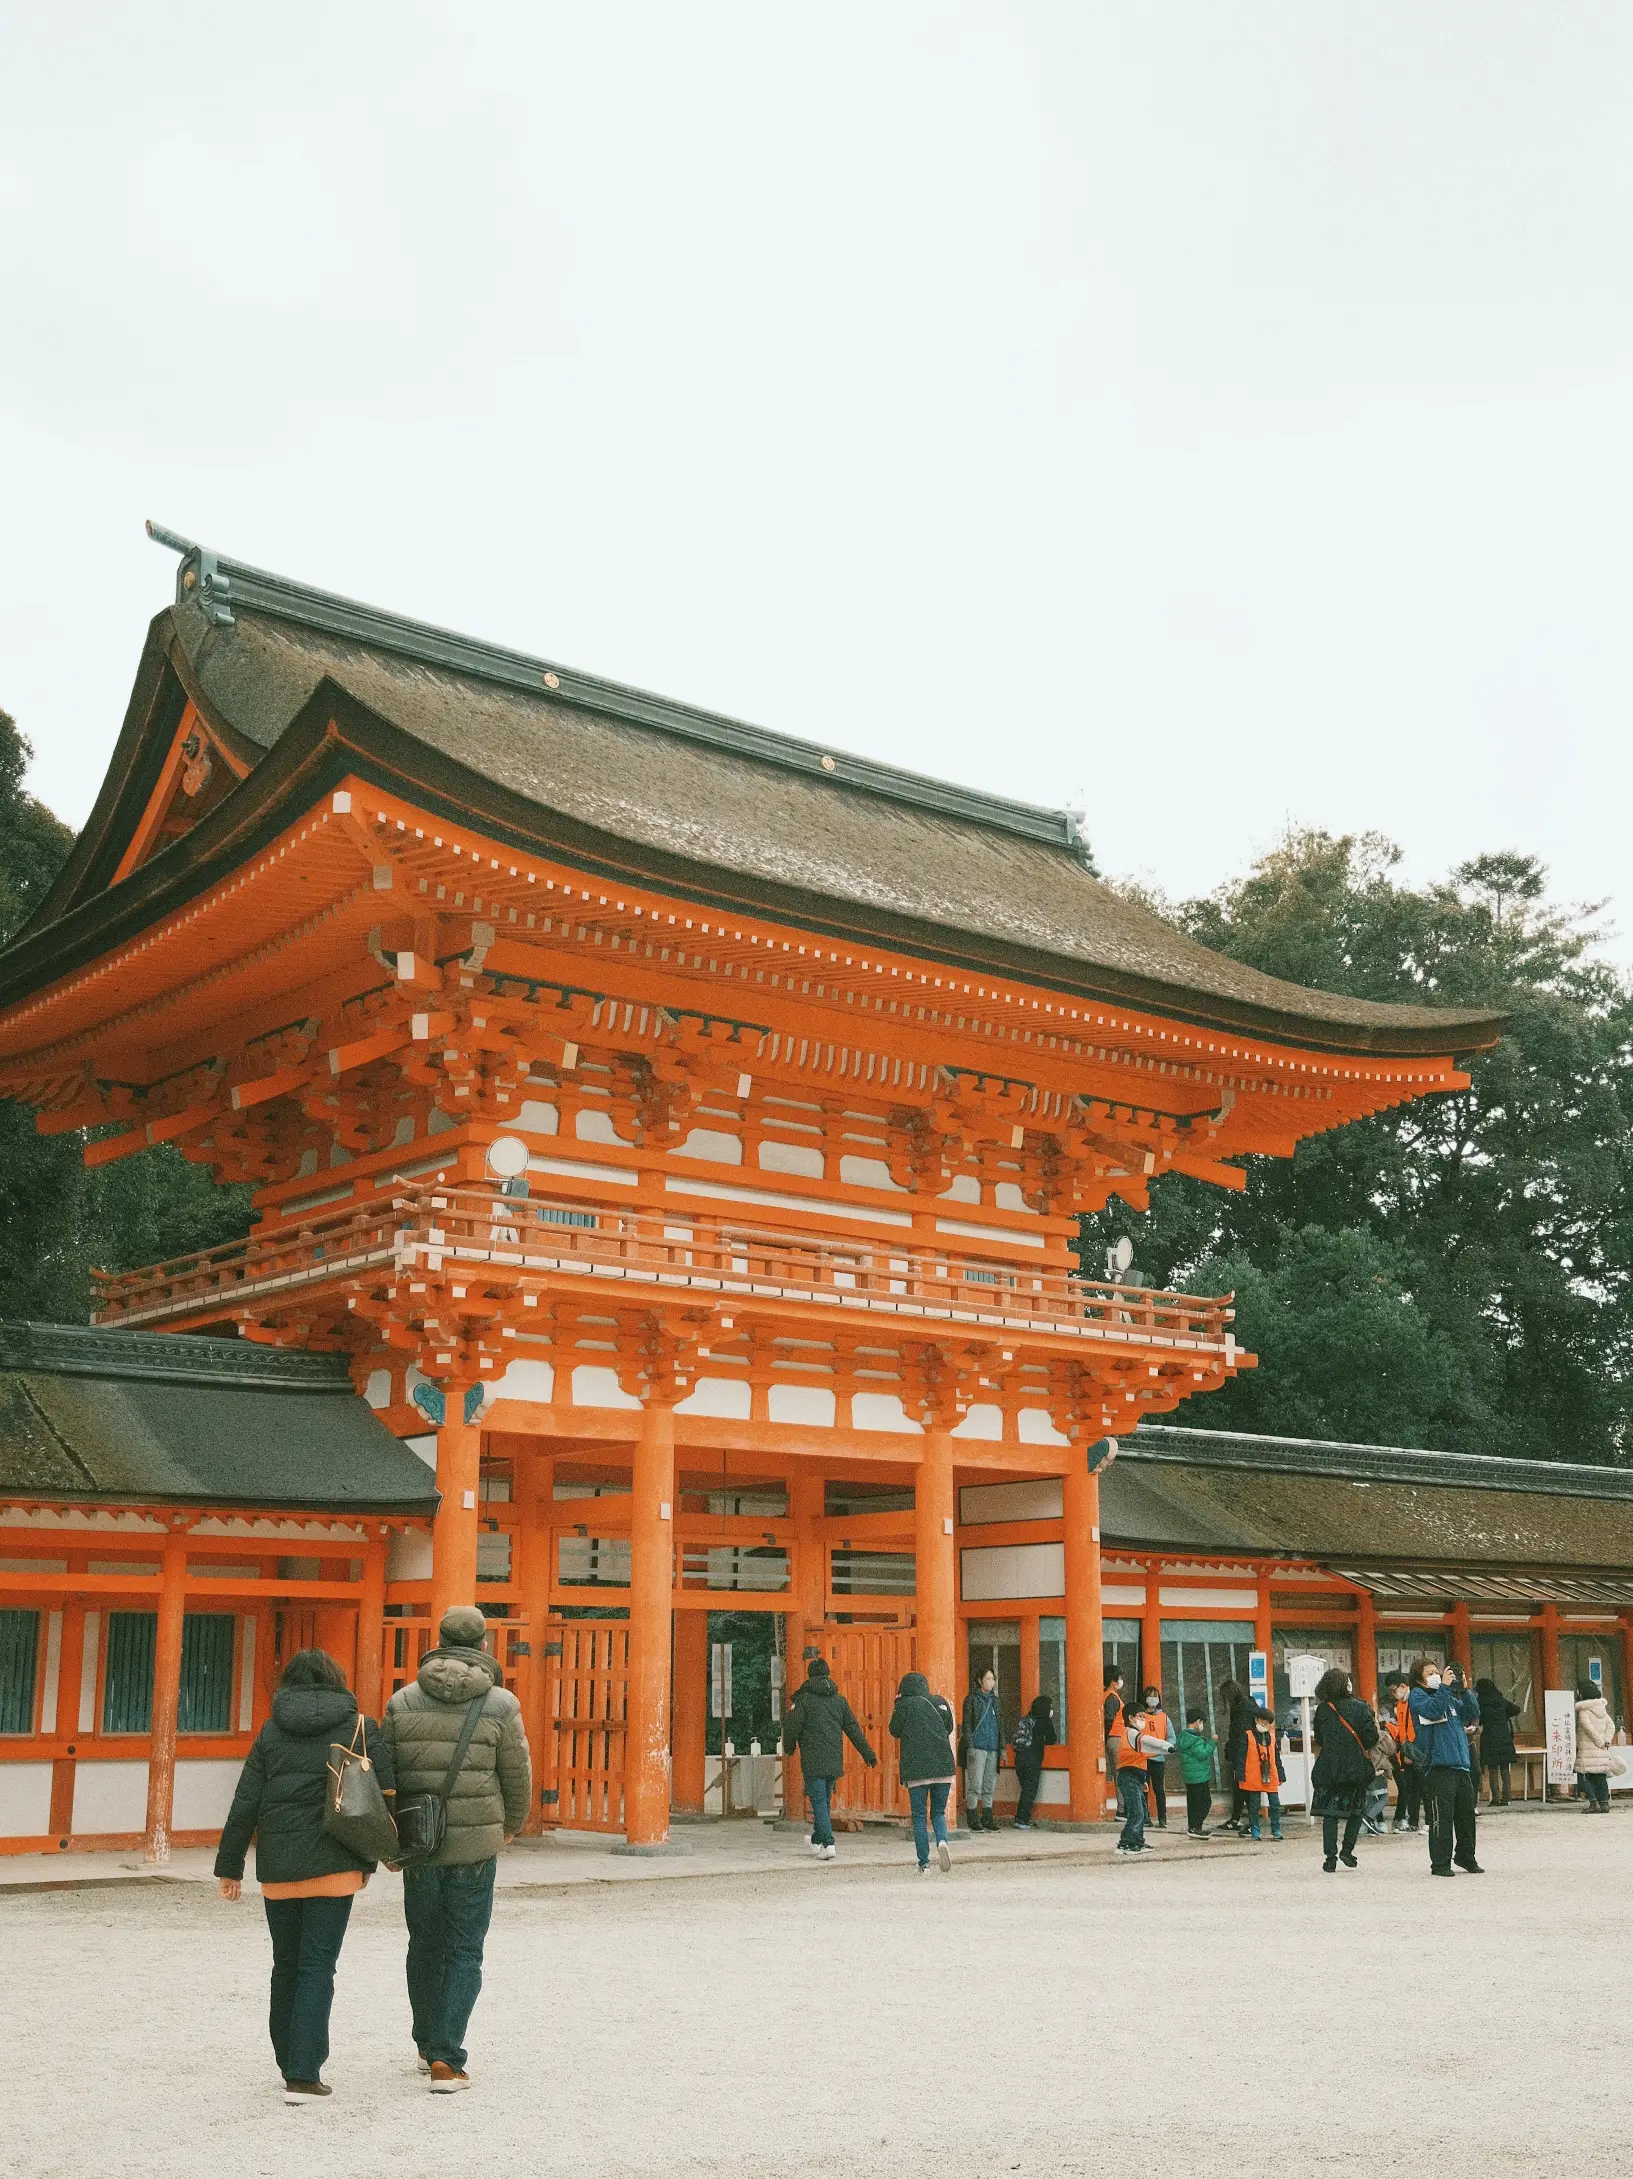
x: 493, y: 1792
x: 1595, y: 1730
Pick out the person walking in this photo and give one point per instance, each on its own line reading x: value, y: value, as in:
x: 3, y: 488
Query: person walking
x: 980, y: 1737
x: 1196, y: 1753
x: 924, y: 1725
x: 1158, y: 1727
x: 1235, y: 1706
x: 1408, y: 1782
x: 818, y: 1724
x: 1443, y: 1709
x: 308, y: 1880
x: 1033, y: 1733
x: 1345, y: 1732
x: 1595, y: 1730
x: 1130, y: 1757
x: 448, y: 1900
x: 1260, y: 1775
x: 1497, y: 1750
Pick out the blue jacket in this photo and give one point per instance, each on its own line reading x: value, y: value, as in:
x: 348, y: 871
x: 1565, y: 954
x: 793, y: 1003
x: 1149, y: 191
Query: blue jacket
x: 1442, y: 1716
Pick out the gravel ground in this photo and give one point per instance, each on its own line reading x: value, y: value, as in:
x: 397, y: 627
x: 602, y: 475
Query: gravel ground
x: 1233, y: 2012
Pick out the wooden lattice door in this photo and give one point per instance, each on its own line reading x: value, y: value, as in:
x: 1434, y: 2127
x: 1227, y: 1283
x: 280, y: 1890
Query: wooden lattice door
x: 867, y: 1663
x: 586, y: 1689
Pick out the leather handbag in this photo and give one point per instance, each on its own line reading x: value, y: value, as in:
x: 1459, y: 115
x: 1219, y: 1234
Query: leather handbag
x: 422, y: 1818
x: 355, y: 1811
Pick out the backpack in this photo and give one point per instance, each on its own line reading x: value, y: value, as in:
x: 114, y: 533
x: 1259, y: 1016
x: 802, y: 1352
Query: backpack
x: 1025, y: 1734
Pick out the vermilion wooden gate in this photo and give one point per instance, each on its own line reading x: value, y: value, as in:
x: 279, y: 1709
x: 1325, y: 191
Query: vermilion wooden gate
x: 586, y: 1686
x: 867, y: 1663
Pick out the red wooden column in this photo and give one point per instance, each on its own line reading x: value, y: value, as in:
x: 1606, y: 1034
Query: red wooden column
x: 651, y: 1615
x: 936, y: 1566
x: 1085, y: 1641
x: 454, y: 1531
x: 1550, y: 1651
x: 1462, y: 1645
x: 1366, y: 1647
x: 1151, y: 1630
x: 161, y: 1761
x: 1263, y: 1635
x: 371, y: 1629
x: 536, y: 1573
x: 691, y: 1710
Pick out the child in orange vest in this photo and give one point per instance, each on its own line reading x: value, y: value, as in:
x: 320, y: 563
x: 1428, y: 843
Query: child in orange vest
x: 1261, y: 1774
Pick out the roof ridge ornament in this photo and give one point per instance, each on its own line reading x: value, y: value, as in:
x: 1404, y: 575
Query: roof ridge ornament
x: 200, y: 570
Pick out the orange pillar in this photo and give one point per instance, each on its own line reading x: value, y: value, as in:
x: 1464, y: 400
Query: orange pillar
x: 536, y: 1543
x: 371, y: 1629
x: 1085, y: 1642
x: 454, y: 1531
x: 161, y: 1761
x: 691, y: 1709
x: 65, y: 1725
x: 1366, y: 1647
x: 936, y: 1567
x: 651, y: 1615
x: 1261, y: 1624
x: 1550, y: 1650
x: 1151, y: 1629
x: 1462, y: 1645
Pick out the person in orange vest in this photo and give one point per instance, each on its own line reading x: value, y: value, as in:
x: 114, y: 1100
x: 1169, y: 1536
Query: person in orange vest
x: 1261, y: 1774
x: 1408, y: 1782
x: 1123, y: 1746
x: 1158, y: 1726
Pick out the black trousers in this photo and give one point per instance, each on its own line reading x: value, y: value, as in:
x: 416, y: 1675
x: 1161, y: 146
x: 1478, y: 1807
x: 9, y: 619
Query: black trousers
x: 1198, y: 1805
x: 1408, y: 1793
x: 306, y: 1938
x: 1159, y: 1789
x: 1345, y: 1807
x: 1595, y: 1788
x: 1028, y: 1780
x: 1497, y: 1775
x: 1448, y: 1797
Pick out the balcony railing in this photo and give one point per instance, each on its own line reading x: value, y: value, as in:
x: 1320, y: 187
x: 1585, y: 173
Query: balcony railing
x: 442, y: 1231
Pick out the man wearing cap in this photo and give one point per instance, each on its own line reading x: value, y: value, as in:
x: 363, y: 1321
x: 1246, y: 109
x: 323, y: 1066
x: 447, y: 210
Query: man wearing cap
x: 448, y: 1901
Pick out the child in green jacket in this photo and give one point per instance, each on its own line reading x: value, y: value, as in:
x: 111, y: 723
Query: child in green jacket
x: 1196, y: 1753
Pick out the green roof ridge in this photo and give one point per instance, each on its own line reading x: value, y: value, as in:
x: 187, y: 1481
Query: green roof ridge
x: 1373, y: 1463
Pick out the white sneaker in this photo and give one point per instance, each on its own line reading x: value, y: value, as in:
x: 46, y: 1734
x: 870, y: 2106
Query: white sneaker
x: 943, y: 1856
x: 830, y: 1853
x: 815, y: 1848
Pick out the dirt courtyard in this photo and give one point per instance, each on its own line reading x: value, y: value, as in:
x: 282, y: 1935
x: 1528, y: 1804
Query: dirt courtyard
x: 1210, y: 2010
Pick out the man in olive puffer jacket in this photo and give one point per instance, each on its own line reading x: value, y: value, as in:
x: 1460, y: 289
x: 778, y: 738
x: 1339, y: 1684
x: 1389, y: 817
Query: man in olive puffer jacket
x: 448, y: 1902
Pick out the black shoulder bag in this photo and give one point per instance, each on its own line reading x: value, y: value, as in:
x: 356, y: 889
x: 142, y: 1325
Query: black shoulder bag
x: 422, y: 1819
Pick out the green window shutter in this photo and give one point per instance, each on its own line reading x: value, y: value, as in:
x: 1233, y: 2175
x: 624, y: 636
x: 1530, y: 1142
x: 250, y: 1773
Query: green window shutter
x: 19, y: 1657
x: 127, y: 1684
x: 206, y: 1673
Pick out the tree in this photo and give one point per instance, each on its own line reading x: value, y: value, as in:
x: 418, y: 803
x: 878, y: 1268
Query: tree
x: 57, y: 1219
x: 1459, y: 1273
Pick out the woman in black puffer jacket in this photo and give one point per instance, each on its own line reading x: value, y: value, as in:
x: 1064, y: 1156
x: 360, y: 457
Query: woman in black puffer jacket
x: 308, y: 1880
x: 1344, y: 1731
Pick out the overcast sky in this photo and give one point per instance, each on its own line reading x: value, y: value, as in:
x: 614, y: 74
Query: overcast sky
x: 1212, y: 416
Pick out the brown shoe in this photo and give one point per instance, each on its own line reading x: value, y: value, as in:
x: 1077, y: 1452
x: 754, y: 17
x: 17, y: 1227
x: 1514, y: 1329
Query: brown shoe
x: 304, y: 2091
x: 445, y: 2081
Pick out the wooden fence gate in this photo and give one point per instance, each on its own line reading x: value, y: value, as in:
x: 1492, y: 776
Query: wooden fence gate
x: 586, y: 1689
x: 867, y: 1663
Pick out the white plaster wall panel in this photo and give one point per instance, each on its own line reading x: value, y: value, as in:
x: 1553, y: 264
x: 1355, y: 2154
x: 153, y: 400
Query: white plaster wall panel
x: 962, y: 1188
x: 204, y: 1789
x: 590, y: 1125
x: 25, y: 1800
x: 378, y: 1389
x: 982, y: 1421
x: 802, y: 1403
x: 1121, y: 1593
x: 536, y: 1117
x: 594, y: 1386
x: 725, y: 1397
x: 1033, y: 1427
x: 1001, y: 1573
x: 712, y: 1143
x: 110, y: 1797
x: 1007, y: 1196
x: 408, y: 1557
x: 622, y: 1176
x: 858, y: 1172
x: 525, y: 1380
x: 999, y: 1236
x: 1055, y: 1788
x: 792, y: 1157
x: 1225, y: 1600
x: 1039, y: 1498
x: 882, y: 1411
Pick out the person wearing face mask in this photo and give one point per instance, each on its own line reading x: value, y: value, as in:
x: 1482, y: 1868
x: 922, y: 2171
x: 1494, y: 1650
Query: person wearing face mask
x: 1442, y: 1709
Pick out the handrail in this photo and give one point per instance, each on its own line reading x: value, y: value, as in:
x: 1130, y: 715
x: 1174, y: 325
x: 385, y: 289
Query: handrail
x: 435, y: 1225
